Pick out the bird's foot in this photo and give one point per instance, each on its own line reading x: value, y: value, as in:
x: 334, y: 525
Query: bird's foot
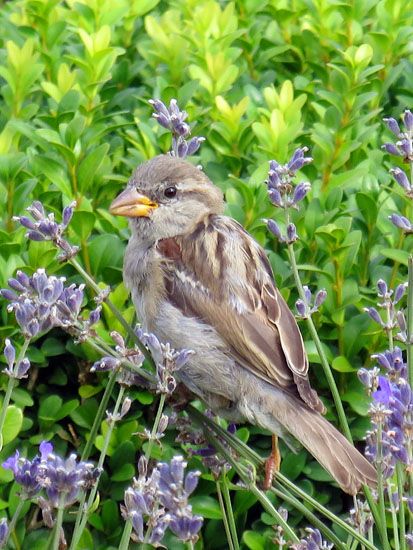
x: 272, y: 464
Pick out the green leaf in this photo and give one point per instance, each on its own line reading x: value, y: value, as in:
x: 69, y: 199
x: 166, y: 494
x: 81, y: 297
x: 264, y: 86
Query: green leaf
x: 206, y: 507
x: 12, y: 424
x: 400, y: 256
x: 124, y: 473
x: 254, y: 540
x: 90, y: 165
x: 49, y: 409
x: 82, y: 223
x: 341, y: 364
x: 22, y: 398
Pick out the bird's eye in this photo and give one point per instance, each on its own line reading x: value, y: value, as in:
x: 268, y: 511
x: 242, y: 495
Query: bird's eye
x: 170, y: 192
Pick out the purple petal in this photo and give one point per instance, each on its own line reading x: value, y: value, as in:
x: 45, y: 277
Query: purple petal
x: 9, y: 353
x: 408, y: 120
x: 392, y: 125
x: 391, y: 149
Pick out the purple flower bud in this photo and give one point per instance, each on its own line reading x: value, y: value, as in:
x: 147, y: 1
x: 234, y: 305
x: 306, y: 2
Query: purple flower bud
x: 159, y: 106
x: 391, y: 149
x: 181, y: 129
x: 382, y: 288
x: 409, y: 540
x: 320, y: 298
x: 15, y: 285
x: 36, y: 210
x: 48, y: 228
x: 275, y: 197
x: 8, y: 294
x: 364, y: 377
x: 300, y: 192
x: 410, y: 499
x: 183, y: 358
x: 401, y: 222
x: 291, y: 233
x: 182, y: 149
x: 401, y: 178
x: 163, y: 424
x: 45, y: 448
x: 163, y: 120
x: 4, y: 532
x: 33, y: 327
x: 117, y: 338
x: 401, y: 321
x: 26, y: 222
x: 374, y: 314
x: 142, y: 466
x: 9, y: 353
x: 105, y: 364
x: 126, y: 405
x: 408, y: 120
x: 35, y: 236
x: 94, y: 316
x: 399, y: 292
x: 23, y: 279
x: 392, y: 125
x: 67, y: 214
x: 308, y: 294
x: 193, y: 145
x: 21, y: 369
x: 275, y: 230
x: 301, y: 308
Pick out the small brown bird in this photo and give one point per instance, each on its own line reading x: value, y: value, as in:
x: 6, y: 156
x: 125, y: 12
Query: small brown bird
x: 199, y: 281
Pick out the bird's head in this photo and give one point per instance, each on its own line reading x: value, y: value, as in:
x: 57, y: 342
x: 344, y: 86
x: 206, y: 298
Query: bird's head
x: 165, y: 197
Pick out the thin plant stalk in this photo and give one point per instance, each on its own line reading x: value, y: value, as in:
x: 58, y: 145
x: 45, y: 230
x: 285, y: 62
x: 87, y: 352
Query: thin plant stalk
x: 99, y: 415
x: 394, y: 519
x: 14, y: 519
x: 228, y: 504
x: 314, y: 334
x: 249, y: 454
x: 402, y: 519
x: 243, y: 473
x: 84, y: 513
x: 380, y: 489
x: 59, y: 523
x: 155, y: 426
x: 224, y: 516
x: 127, y: 531
x: 283, y: 493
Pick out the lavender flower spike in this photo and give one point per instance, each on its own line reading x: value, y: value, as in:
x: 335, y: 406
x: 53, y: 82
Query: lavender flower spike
x: 173, y: 119
x: 45, y: 228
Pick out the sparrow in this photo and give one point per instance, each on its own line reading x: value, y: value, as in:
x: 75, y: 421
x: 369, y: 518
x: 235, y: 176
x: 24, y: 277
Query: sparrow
x: 199, y: 281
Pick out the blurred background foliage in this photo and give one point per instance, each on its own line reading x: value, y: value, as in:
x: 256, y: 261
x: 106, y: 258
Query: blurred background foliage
x: 257, y: 79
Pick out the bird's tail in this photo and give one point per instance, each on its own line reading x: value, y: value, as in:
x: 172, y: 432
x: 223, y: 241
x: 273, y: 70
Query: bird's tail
x: 328, y: 446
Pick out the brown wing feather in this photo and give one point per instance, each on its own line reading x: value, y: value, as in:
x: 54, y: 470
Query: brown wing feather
x: 219, y: 274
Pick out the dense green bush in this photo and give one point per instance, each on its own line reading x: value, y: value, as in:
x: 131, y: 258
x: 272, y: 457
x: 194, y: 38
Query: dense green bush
x: 257, y: 79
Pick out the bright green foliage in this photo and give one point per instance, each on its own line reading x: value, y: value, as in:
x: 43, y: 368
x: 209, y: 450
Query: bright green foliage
x: 258, y: 78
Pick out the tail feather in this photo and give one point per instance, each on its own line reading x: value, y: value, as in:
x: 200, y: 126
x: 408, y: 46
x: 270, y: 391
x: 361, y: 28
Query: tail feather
x: 329, y: 447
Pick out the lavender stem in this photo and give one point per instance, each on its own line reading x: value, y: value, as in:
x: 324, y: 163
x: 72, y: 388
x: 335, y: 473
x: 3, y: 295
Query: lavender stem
x: 127, y: 530
x: 155, y: 426
x: 84, y: 514
x: 224, y: 516
x: 59, y: 522
x: 228, y: 505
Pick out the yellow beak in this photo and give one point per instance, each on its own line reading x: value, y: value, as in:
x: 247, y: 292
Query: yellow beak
x: 132, y: 204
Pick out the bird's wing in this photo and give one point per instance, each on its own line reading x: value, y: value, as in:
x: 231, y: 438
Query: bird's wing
x: 220, y: 275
